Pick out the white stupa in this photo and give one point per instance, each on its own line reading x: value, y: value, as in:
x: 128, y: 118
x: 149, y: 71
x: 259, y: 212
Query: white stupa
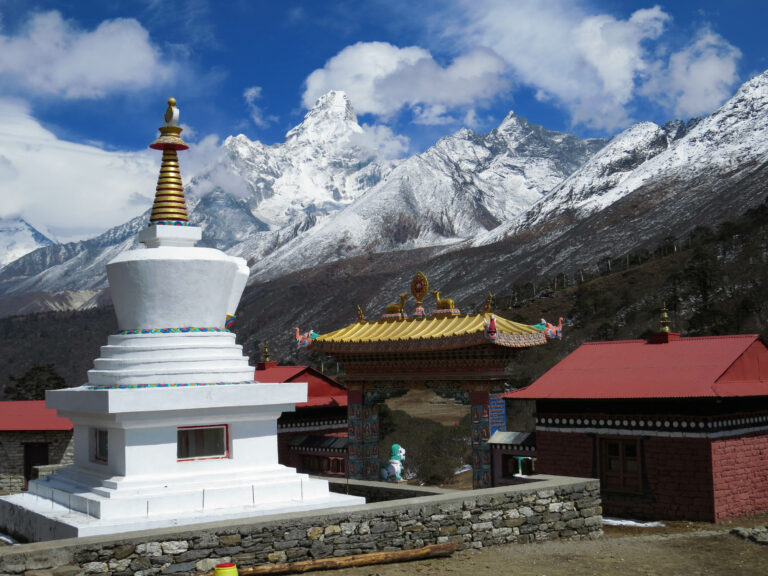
x: 170, y: 429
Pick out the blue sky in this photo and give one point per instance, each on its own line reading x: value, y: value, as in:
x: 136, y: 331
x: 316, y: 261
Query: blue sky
x: 83, y: 84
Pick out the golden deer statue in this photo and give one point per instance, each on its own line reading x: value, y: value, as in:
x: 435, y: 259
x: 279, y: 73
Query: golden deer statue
x: 395, y: 308
x: 443, y: 303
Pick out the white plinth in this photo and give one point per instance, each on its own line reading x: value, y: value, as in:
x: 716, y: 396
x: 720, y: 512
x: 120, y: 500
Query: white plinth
x: 144, y: 484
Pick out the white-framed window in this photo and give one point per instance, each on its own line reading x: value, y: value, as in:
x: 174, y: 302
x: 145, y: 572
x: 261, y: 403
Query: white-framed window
x: 100, y: 450
x: 202, y: 442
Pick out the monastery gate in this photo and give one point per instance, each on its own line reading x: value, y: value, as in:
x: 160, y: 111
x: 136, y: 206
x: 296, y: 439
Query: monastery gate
x: 458, y: 356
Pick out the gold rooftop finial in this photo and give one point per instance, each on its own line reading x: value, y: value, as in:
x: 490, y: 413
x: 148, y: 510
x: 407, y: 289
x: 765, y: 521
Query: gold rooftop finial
x: 664, y: 323
x: 170, y: 206
x: 266, y: 352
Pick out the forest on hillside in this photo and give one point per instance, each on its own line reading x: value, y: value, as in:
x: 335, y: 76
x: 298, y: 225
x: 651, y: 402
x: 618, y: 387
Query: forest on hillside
x: 713, y: 281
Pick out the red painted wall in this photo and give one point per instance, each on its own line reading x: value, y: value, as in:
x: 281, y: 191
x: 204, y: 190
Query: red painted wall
x: 678, y: 474
x: 564, y: 454
x: 740, y: 469
x: 678, y: 481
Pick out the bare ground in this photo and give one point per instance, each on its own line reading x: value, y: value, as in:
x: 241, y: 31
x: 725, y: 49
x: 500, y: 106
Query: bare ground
x: 679, y: 548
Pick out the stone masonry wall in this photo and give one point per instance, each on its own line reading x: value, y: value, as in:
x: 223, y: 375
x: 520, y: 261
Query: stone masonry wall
x: 60, y: 451
x: 554, y: 508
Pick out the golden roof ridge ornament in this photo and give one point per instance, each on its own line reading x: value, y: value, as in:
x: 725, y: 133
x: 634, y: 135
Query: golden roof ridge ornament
x: 170, y: 205
x: 419, y: 289
x: 664, y: 322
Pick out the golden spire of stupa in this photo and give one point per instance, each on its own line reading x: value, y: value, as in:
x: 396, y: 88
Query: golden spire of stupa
x: 170, y: 206
x: 664, y: 322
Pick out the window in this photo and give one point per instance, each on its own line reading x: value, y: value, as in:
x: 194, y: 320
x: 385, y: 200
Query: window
x: 620, y: 465
x: 196, y: 442
x: 100, y: 445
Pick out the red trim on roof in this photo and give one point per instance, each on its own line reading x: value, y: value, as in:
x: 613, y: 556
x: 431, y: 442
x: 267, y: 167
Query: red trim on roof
x: 706, y: 367
x: 30, y: 415
x: 322, y: 390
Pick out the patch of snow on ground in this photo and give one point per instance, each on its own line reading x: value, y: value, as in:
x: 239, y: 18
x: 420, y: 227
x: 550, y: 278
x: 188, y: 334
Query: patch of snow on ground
x: 608, y: 521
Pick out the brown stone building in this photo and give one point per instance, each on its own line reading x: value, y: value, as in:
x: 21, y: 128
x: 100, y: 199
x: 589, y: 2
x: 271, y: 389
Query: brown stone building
x: 674, y: 428
x: 30, y: 435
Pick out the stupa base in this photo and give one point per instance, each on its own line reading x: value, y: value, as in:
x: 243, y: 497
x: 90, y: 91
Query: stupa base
x: 38, y: 519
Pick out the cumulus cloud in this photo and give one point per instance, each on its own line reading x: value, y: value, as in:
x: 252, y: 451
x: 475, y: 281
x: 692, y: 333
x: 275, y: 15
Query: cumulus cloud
x: 699, y: 77
x: 251, y: 95
x: 380, y: 141
x: 382, y: 79
x: 52, y: 56
x: 595, y: 65
x: 589, y: 64
x: 74, y: 190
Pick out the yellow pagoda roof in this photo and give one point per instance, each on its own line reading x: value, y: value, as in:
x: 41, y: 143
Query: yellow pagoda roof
x: 432, y: 333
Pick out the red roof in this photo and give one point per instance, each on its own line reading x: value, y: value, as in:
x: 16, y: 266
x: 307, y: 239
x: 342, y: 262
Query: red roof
x: 322, y: 390
x: 30, y: 415
x: 706, y: 367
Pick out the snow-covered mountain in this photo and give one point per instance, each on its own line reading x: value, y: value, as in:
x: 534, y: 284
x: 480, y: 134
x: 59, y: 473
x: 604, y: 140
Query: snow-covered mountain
x: 674, y: 159
x: 18, y: 238
x: 481, y: 210
x: 321, y: 195
x: 466, y: 184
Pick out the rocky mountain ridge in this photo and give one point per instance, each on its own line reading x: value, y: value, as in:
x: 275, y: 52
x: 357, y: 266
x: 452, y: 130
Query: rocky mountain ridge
x: 458, y: 211
x: 321, y: 196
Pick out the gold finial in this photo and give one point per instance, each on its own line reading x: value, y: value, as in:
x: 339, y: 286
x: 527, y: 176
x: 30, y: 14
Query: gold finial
x: 664, y: 323
x: 266, y: 352
x: 170, y: 204
x: 360, y: 315
x: 488, y: 303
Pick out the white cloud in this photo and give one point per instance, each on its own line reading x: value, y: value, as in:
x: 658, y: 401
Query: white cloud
x: 52, y: 56
x: 470, y: 119
x: 380, y: 141
x: 587, y: 63
x: 74, y: 189
x: 251, y: 95
x: 382, y: 79
x: 594, y: 65
x: 200, y: 156
x: 699, y: 77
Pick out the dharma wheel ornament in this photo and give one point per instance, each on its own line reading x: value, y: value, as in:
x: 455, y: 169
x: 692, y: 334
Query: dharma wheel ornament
x: 170, y: 206
x: 419, y: 289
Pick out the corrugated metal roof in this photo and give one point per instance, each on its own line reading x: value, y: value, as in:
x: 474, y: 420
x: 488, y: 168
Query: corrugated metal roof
x: 322, y: 390
x: 714, y: 366
x: 513, y: 438
x: 30, y: 415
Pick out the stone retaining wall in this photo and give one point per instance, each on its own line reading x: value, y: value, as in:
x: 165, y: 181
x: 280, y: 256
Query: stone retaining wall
x: 556, y: 507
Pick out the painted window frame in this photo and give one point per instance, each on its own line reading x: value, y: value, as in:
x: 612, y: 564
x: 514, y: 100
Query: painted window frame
x: 224, y: 456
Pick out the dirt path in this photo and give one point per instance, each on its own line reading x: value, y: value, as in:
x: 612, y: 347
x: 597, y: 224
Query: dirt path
x: 685, y: 550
